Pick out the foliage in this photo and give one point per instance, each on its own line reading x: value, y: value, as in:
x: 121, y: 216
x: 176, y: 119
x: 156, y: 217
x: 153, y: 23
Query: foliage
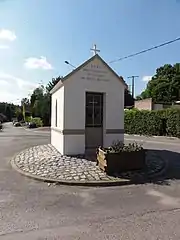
x: 52, y: 83
x: 40, y: 101
x: 3, y: 118
x: 128, y: 99
x: 8, y: 110
x: 19, y: 114
x: 37, y: 121
x: 165, y: 85
x: 157, y: 123
x: 28, y: 119
x: 173, y: 122
x: 143, y: 122
x: 118, y: 146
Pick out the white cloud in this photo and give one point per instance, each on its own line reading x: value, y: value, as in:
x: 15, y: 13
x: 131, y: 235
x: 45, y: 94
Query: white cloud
x: 37, y: 63
x: 8, y: 35
x: 4, y: 47
x: 13, y: 88
x: 146, y: 78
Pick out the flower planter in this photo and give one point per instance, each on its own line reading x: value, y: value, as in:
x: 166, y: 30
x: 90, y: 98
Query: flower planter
x: 112, y: 162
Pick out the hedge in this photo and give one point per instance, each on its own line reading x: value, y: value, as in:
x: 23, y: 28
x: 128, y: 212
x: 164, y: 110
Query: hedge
x: 157, y: 123
x: 173, y: 122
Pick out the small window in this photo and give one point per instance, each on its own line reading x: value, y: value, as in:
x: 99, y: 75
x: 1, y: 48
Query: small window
x: 94, y: 109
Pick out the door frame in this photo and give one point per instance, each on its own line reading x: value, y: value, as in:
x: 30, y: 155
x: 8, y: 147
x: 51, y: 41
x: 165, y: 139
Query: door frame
x: 102, y: 94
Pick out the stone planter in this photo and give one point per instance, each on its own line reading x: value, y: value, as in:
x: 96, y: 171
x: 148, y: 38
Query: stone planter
x: 119, y: 162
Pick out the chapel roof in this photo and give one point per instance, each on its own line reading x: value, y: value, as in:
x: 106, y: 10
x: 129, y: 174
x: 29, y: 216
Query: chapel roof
x: 61, y: 82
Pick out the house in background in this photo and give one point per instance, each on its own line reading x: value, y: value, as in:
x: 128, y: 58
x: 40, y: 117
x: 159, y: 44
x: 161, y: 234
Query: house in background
x: 148, y: 104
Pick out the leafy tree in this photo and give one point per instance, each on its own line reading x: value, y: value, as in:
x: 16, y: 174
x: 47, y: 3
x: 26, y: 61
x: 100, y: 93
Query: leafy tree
x: 52, y: 83
x: 128, y: 99
x: 19, y: 113
x: 25, y: 103
x: 36, y: 101
x: 40, y: 103
x: 165, y: 84
x: 8, y: 110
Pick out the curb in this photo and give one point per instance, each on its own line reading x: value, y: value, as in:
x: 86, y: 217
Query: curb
x: 72, y: 183
x: 147, y: 136
x: 108, y: 183
x: 46, y: 132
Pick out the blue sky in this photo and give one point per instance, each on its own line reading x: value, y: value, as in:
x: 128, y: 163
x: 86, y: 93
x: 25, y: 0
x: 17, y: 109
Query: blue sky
x: 37, y: 36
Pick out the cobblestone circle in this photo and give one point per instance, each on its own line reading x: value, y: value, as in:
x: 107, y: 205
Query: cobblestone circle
x: 46, y: 162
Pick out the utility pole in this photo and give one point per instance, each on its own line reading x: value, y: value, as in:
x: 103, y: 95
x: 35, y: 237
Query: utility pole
x: 133, y: 84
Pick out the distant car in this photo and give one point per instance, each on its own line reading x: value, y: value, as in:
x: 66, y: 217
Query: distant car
x: 14, y: 122
x: 17, y: 124
x: 32, y: 125
x: 1, y: 127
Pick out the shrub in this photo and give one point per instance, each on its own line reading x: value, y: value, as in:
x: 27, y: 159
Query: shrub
x: 173, y: 122
x: 28, y: 119
x: 37, y: 121
x: 158, y: 122
x: 118, y: 146
x: 143, y: 122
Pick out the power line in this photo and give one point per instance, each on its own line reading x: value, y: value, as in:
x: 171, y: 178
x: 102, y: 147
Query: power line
x: 146, y: 50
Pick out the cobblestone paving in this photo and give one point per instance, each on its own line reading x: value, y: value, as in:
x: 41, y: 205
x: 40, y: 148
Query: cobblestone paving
x: 45, y: 161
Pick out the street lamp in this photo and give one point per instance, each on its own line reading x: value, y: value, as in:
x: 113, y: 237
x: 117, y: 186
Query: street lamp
x: 68, y: 63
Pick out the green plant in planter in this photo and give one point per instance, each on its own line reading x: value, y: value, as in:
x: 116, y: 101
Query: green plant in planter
x: 118, y: 146
x: 121, y: 157
x: 133, y: 147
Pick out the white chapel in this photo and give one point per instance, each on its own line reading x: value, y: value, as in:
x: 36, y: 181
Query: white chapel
x: 87, y: 108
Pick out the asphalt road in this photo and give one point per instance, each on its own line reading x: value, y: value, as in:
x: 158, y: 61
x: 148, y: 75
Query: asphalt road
x: 33, y: 210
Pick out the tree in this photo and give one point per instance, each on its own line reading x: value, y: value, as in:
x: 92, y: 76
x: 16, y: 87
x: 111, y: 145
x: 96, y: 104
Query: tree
x: 8, y: 110
x: 37, y: 101
x: 165, y: 84
x: 40, y: 103
x: 19, y: 114
x: 25, y: 103
x: 128, y: 99
x: 52, y: 83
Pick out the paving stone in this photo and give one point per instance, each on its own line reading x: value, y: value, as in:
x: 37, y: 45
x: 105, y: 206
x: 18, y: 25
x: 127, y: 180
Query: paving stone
x: 76, y: 177
x: 82, y: 176
x: 46, y: 161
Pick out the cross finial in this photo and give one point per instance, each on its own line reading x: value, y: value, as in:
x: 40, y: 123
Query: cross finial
x: 94, y: 49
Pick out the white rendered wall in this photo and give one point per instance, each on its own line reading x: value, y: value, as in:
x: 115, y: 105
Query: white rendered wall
x: 57, y: 139
x: 74, y: 144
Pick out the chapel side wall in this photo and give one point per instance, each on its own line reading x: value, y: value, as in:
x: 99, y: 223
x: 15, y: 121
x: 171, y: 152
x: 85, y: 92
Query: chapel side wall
x: 75, y: 89
x: 74, y: 120
x: 57, y: 138
x: 114, y: 116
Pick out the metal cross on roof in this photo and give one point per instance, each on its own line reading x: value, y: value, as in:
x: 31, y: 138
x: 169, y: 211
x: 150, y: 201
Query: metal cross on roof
x: 95, y: 50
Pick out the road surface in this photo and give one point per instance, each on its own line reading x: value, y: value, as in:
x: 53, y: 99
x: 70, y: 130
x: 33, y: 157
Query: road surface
x: 33, y: 210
